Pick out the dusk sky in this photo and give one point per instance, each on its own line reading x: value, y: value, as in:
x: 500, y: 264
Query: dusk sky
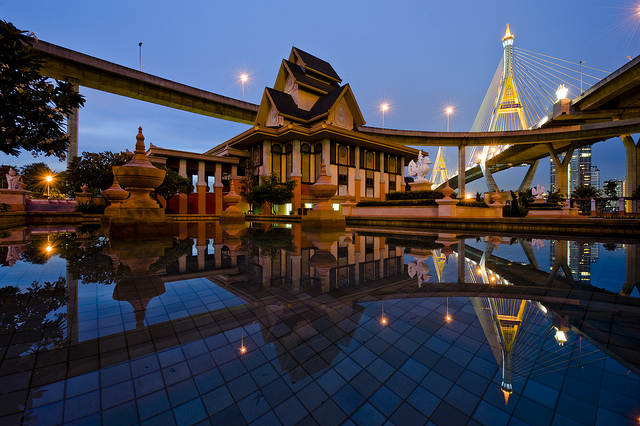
x: 417, y: 56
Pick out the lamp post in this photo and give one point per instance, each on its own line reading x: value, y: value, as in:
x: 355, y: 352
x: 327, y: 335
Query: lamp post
x: 48, y: 178
x: 140, y: 56
x: 581, y: 62
x: 449, y: 110
x: 243, y: 79
x: 384, y: 108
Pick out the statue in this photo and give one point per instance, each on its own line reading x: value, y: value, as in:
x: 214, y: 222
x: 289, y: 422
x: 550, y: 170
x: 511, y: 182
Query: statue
x: 419, y: 169
x: 14, y: 180
x: 420, y: 270
x: 537, y: 191
x: 537, y: 194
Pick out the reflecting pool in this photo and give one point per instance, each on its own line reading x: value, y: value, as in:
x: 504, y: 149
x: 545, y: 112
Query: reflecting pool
x: 205, y: 323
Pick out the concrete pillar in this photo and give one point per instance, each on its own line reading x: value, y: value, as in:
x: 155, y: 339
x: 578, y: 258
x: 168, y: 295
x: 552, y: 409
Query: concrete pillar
x: 632, y: 278
x: 182, y: 198
x: 296, y: 175
x: 528, y: 177
x: 562, y: 168
x: 217, y: 188
x: 402, y: 183
x: 72, y: 130
x: 633, y: 170
x: 461, y: 260
x: 201, y: 186
x: 488, y: 177
x: 461, y: 170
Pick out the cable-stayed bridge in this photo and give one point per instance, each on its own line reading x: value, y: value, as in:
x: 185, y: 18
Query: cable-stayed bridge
x: 610, y: 108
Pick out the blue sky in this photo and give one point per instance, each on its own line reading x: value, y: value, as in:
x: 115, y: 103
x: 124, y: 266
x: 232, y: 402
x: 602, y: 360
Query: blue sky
x: 417, y: 56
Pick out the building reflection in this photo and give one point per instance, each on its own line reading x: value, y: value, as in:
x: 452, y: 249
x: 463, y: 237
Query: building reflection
x: 309, y: 292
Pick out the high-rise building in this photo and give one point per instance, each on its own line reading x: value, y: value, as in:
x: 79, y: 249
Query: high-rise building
x: 579, y: 173
x: 595, y: 177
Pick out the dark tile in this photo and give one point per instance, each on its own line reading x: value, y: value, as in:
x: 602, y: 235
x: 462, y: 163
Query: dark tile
x: 400, y: 384
x: 406, y: 415
x: 348, y: 398
x: 276, y: 392
x: 385, y: 400
x: 446, y: 414
x: 291, y: 411
x: 329, y: 413
x: 365, y: 383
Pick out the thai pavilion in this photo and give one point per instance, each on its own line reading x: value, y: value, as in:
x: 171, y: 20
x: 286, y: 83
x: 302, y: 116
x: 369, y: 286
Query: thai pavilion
x: 307, y: 117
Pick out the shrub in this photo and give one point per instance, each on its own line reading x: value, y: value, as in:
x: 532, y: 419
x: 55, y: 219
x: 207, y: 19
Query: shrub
x: 89, y: 208
x: 472, y: 203
x: 4, y: 207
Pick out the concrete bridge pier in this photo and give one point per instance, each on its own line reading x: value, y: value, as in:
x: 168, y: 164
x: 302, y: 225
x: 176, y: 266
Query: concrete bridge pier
x: 633, y: 162
x: 528, y: 177
x: 488, y: 177
x: 632, y: 269
x: 562, y: 168
x: 72, y: 128
x: 461, y: 170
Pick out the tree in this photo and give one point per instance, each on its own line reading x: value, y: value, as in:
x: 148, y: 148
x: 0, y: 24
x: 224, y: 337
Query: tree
x: 248, y: 182
x: 173, y: 184
x: 93, y: 169
x: 34, y: 109
x: 611, y: 188
x: 272, y: 191
x: 33, y: 175
x: 586, y: 193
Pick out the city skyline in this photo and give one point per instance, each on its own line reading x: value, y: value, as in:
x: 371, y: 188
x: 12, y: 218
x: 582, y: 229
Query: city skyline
x: 418, y: 63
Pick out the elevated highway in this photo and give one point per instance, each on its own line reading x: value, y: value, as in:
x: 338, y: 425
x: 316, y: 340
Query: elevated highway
x: 611, y: 108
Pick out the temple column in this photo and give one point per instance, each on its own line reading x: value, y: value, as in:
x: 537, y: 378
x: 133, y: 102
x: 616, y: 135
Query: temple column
x: 266, y: 167
x: 357, y: 180
x: 217, y: 188
x: 201, y: 187
x: 296, y: 175
x: 182, y: 198
x: 633, y: 163
x: 562, y: 168
x: 72, y: 129
x: 383, y: 187
x: 402, y: 181
x: 461, y: 170
x: 326, y: 156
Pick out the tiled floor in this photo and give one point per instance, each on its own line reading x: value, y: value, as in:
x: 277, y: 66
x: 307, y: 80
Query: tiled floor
x: 325, y: 359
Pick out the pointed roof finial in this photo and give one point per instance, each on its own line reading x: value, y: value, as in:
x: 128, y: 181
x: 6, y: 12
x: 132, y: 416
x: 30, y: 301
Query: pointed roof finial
x: 140, y: 142
x: 507, y: 35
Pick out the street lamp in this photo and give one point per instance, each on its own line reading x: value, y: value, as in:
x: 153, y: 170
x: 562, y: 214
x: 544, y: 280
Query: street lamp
x: 449, y: 110
x: 48, y: 179
x: 243, y: 79
x: 384, y: 108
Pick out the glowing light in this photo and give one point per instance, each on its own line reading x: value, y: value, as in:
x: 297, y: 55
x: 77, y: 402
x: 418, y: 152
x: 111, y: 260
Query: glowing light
x: 561, y: 337
x: 48, y: 179
x: 493, y: 149
x: 448, y: 111
x: 384, y: 107
x: 562, y: 91
x: 243, y: 350
x: 468, y: 196
x: 448, y: 318
x: 48, y: 249
x: 243, y: 78
x: 479, y: 271
x: 493, y: 278
x: 383, y: 320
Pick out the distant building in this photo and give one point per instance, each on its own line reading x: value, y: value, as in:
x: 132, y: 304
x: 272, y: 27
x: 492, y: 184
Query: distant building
x: 579, y: 173
x: 595, y: 177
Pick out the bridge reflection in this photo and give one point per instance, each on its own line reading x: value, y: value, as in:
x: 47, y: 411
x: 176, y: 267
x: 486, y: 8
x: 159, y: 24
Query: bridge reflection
x: 308, y: 295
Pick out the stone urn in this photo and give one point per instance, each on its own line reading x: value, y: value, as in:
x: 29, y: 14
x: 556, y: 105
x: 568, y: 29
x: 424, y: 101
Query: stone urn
x: 232, y: 198
x: 140, y: 177
x: 447, y: 191
x: 114, y: 195
x: 323, y: 190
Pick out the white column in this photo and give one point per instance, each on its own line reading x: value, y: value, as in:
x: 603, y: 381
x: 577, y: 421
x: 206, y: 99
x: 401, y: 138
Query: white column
x: 201, y: 179
x: 266, y: 157
x: 326, y: 154
x: 182, y: 168
x: 296, y: 159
